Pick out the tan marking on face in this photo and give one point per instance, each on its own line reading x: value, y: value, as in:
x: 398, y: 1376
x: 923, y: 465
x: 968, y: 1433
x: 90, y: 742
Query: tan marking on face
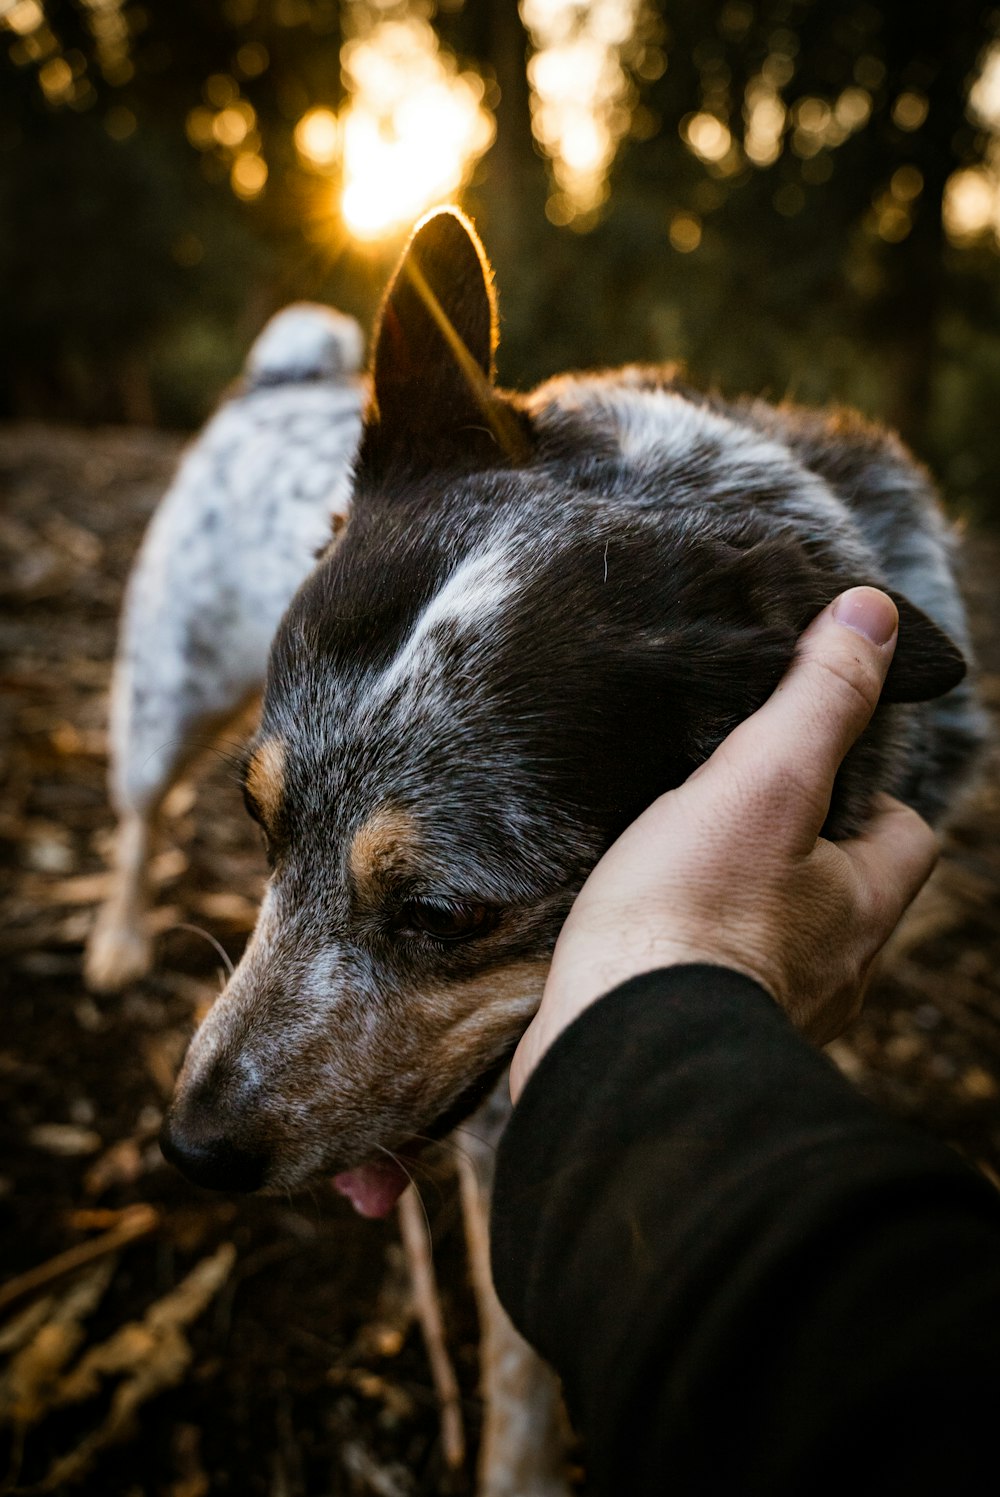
x: 366, y: 1077
x: 475, y: 1000
x: 266, y: 778
x: 386, y: 844
x: 477, y: 1019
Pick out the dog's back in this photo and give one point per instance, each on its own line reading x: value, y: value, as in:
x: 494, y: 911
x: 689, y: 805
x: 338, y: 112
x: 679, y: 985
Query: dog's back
x: 234, y: 535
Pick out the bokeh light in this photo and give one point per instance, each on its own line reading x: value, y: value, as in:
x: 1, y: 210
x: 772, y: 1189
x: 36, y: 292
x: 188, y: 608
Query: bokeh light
x: 413, y: 127
x: 62, y: 74
x: 225, y: 128
x: 970, y: 205
x: 583, y: 94
x: 317, y: 137
x: 707, y: 136
x: 248, y: 175
x: 970, y: 210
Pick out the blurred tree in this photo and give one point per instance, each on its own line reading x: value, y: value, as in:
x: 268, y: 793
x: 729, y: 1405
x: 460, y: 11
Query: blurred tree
x: 753, y: 186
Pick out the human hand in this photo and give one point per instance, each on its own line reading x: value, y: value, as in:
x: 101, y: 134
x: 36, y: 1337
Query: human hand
x: 730, y: 868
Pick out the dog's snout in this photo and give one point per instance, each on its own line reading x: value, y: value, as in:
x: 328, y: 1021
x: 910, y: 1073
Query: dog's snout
x: 193, y: 1141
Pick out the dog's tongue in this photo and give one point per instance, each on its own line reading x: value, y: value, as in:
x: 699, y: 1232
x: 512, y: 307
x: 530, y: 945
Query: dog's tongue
x: 373, y: 1189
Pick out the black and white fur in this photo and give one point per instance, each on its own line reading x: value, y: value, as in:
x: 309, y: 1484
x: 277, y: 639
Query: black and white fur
x: 235, y: 534
x: 544, y: 611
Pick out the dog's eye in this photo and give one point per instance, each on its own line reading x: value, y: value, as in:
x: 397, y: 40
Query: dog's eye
x: 446, y: 922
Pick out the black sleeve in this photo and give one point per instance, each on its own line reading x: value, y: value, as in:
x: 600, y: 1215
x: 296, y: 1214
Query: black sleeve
x: 750, y: 1280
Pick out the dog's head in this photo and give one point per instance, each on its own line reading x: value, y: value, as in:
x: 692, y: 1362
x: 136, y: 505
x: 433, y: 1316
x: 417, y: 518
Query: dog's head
x: 511, y: 650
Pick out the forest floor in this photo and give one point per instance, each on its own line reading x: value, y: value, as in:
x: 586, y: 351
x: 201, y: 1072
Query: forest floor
x: 256, y: 1346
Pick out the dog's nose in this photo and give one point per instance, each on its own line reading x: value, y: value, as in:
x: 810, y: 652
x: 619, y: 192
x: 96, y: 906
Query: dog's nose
x: 192, y: 1140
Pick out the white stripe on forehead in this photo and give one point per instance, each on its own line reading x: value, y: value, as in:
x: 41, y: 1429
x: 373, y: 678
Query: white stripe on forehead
x: 472, y: 594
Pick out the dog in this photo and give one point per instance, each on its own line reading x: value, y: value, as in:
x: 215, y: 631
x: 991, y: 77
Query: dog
x: 544, y: 611
x: 235, y: 534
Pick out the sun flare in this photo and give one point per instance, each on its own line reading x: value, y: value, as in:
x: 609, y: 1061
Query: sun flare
x: 412, y: 129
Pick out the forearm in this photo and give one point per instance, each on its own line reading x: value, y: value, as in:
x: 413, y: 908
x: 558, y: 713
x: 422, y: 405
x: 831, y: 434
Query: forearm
x: 729, y: 1256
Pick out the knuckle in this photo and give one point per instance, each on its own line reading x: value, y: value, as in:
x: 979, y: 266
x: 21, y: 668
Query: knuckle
x: 852, y: 681
x: 913, y: 826
x: 773, y: 788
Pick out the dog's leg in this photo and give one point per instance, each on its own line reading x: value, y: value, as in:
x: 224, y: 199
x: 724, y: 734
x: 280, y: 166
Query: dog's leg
x: 120, y: 947
x: 522, y: 1450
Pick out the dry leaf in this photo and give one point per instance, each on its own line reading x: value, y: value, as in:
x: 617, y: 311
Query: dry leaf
x: 164, y: 919
x: 163, y: 1054
x: 74, y: 743
x: 168, y: 866
x: 135, y: 1221
x: 396, y: 1400
x: 65, y: 1139
x: 233, y: 909
x: 49, y: 848
x: 20, y: 1328
x: 384, y: 1481
x: 155, y: 1352
x: 27, y: 1382
x: 85, y: 888
x: 81, y: 544
x: 180, y: 800
x: 977, y: 1085
x: 192, y: 1480
x: 122, y: 1164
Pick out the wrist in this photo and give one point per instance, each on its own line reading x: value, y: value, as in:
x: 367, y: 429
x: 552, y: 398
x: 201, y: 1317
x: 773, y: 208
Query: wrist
x: 585, y: 970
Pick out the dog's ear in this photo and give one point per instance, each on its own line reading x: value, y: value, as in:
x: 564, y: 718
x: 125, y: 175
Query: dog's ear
x: 435, y: 341
x: 779, y: 587
x: 926, y: 663
x: 769, y: 591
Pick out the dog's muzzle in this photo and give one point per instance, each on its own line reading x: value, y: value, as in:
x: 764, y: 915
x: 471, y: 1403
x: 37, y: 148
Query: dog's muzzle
x: 191, y: 1140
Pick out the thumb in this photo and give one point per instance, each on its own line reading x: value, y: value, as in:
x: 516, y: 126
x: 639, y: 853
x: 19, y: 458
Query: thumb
x: 825, y: 699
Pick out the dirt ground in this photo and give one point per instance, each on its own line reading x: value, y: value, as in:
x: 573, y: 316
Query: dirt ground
x: 267, y: 1346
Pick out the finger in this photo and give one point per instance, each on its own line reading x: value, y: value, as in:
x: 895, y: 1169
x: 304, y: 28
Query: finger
x: 824, y: 701
x: 894, y: 855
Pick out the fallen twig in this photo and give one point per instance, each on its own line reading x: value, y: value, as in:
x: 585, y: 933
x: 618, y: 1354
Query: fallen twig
x: 416, y: 1243
x: 154, y: 1354
x: 136, y: 1221
x: 26, y: 1384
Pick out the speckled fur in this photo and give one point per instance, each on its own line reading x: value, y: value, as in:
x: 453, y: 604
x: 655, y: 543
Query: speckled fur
x: 230, y: 542
x: 235, y: 534
x: 502, y: 658
x: 518, y: 654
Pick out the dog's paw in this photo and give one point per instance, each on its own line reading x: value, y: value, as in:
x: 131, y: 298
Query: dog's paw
x: 118, y: 952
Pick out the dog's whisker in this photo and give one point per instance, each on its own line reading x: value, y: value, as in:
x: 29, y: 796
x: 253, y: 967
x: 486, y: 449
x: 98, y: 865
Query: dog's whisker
x: 229, y: 751
x: 448, y: 1145
x: 220, y: 950
x: 416, y: 1188
x: 422, y: 1169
